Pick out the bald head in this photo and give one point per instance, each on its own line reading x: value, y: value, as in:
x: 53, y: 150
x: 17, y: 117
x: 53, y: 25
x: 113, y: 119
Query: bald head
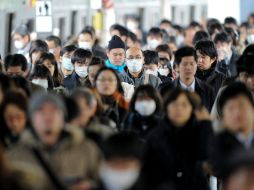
x: 134, y: 53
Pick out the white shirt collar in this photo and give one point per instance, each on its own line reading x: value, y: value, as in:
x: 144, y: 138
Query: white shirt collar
x: 190, y: 87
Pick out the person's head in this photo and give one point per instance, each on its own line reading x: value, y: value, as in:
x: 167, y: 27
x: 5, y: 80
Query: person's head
x: 165, y: 56
x: 233, y: 34
x: 146, y: 101
x: 80, y: 59
x: 249, y: 50
x: 73, y: 111
x: 54, y: 45
x: 200, y: 35
x: 14, y: 112
x: 250, y: 34
x: 36, y: 49
x: 223, y: 42
x: 178, y: 106
x: 185, y: 60
x: 22, y: 85
x: 154, y: 38
x: 21, y: 37
x: 65, y: 58
x: 132, y: 40
x: 116, y: 51
x: 166, y: 25
x: 119, y: 31
x: 206, y: 54
x: 151, y: 62
x: 15, y: 64
x: 245, y: 69
x: 121, y: 166
x: 237, y: 105
x: 5, y: 85
x: 230, y: 22
x: 134, y: 60
x: 189, y: 34
x: 49, y: 61
x: 251, y: 19
x: 86, y: 39
x: 95, y: 65
x: 87, y: 103
x: 47, y: 112
x: 107, y: 82
x: 215, y: 28
x: 41, y: 76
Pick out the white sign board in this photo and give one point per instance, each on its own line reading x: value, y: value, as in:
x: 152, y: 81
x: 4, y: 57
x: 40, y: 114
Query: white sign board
x: 44, y: 16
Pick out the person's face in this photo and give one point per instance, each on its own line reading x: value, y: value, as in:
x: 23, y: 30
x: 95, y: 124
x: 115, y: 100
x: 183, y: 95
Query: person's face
x: 24, y: 40
x: 92, y: 71
x: 187, y: 68
x: 247, y: 79
x: 35, y: 56
x: 116, y: 56
x: 67, y: 55
x: 15, y: 118
x: 47, y: 63
x: 238, y: 114
x: 189, y: 35
x: 204, y: 61
x: 130, y: 43
x: 48, y: 122
x: 53, y: 49
x: 15, y: 71
x: 226, y: 47
x: 179, y: 111
x: 106, y: 83
x: 123, y: 164
x: 87, y: 112
x: 134, y: 53
x: 86, y: 38
x: 163, y: 54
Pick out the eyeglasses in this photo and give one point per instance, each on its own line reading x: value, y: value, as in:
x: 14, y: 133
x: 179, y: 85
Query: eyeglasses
x: 102, y: 80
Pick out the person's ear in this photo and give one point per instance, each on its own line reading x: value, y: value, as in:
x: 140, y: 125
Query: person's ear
x: 108, y: 53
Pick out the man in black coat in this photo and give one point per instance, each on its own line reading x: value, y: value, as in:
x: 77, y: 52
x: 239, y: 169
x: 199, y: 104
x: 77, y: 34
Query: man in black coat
x: 237, y: 105
x: 185, y: 59
x: 207, y: 59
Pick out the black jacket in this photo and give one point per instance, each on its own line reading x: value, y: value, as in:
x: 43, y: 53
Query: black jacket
x: 223, y: 148
x: 164, y: 79
x: 204, y: 90
x: 98, y: 51
x: 176, y: 154
x: 71, y: 81
x: 140, y: 125
x: 213, y: 77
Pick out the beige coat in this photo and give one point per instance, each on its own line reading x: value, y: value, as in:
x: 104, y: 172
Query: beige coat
x: 73, y: 158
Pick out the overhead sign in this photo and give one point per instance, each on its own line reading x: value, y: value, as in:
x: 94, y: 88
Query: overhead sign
x: 44, y: 16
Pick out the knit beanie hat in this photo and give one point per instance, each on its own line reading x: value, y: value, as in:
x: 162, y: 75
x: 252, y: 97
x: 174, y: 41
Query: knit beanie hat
x: 115, y: 42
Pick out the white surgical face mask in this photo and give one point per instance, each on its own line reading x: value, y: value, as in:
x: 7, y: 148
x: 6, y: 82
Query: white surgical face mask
x: 134, y: 65
x: 250, y: 38
x: 18, y: 44
x: 85, y: 45
x: 163, y: 71
x: 81, y: 71
x: 153, y: 43
x: 41, y: 82
x: 145, y: 107
x: 118, y: 179
x: 152, y: 72
x: 67, y: 64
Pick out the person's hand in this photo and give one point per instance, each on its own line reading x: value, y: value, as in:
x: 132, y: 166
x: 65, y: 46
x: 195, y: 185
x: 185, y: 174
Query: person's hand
x: 202, y: 114
x: 222, y: 54
x: 83, y: 185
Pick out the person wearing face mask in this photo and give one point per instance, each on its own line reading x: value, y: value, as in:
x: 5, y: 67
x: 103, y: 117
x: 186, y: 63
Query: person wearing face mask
x: 80, y: 60
x: 145, y: 111
x: 120, y: 170
x: 21, y: 38
x: 67, y: 67
x: 152, y: 65
x: 250, y: 34
x: 87, y: 40
x: 135, y: 74
x: 154, y: 38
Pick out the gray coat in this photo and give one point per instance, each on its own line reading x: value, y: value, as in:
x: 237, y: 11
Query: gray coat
x: 136, y: 82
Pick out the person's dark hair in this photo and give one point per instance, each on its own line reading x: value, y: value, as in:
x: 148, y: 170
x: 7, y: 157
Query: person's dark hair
x: 72, y: 107
x: 67, y: 49
x: 222, y: 37
x: 38, y: 46
x: 173, y: 94
x: 149, y: 91
x: 57, y: 79
x: 123, y: 146
x: 22, y: 30
x: 14, y: 61
x: 132, y: 36
x: 195, y: 24
x: 215, y: 26
x: 245, y: 64
x: 233, y: 34
x: 22, y: 83
x: 232, y: 91
x: 164, y: 48
x: 207, y: 47
x: 57, y: 41
x: 88, y: 31
x: 230, y: 20
x: 200, y: 35
x: 96, y: 61
x: 179, y: 28
x: 122, y: 30
x: 165, y: 21
x: 80, y: 55
x: 211, y: 21
x: 249, y: 50
x: 5, y: 82
x: 184, y: 52
x: 155, y: 31
x: 119, y: 86
x: 151, y: 57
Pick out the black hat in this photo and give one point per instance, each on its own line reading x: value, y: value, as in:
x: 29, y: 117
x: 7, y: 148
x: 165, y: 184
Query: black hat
x: 245, y: 64
x: 115, y: 42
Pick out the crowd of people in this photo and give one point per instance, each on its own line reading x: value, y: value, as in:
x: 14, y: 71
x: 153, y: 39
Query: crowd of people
x: 169, y: 109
